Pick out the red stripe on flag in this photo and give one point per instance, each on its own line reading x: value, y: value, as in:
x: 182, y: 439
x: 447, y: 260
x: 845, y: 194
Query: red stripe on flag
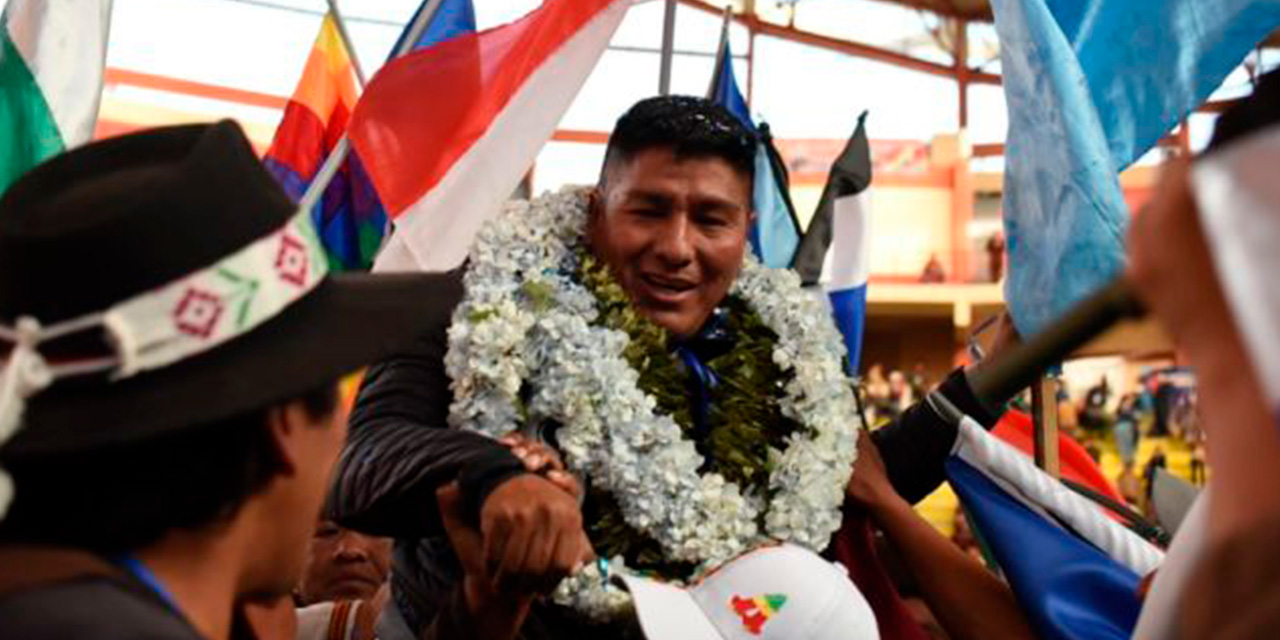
x: 423, y: 111
x: 1075, y: 464
x: 303, y: 141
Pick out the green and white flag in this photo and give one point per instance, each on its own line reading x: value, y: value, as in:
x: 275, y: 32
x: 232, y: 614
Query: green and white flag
x: 52, y: 53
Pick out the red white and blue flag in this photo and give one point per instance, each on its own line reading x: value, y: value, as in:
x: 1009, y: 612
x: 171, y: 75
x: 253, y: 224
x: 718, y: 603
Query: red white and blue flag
x: 448, y: 132
x: 1075, y: 571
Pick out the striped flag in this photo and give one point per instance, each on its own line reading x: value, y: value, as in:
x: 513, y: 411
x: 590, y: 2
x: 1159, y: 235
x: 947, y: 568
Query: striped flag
x: 1074, y: 462
x: 449, y: 131
x: 1091, y: 86
x: 52, y: 53
x: 348, y: 216
x: 775, y: 234
x: 835, y: 254
x: 1074, y: 571
x: 452, y: 18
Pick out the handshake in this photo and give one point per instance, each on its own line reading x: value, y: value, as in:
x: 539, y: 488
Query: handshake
x: 529, y: 537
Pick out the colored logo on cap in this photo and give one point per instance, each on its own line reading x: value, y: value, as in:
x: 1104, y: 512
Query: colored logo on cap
x: 757, y: 611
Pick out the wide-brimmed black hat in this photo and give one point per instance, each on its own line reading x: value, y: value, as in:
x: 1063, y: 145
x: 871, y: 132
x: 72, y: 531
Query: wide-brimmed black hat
x: 116, y: 219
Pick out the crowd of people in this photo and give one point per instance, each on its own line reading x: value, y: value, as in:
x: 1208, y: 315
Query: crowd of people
x: 587, y: 409
x: 1161, y: 412
x: 888, y: 395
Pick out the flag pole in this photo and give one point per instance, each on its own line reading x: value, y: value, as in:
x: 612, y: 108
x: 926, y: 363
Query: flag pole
x: 339, y: 154
x: 668, y: 47
x: 1023, y: 366
x: 346, y: 42
x: 721, y: 50
x: 1044, y: 420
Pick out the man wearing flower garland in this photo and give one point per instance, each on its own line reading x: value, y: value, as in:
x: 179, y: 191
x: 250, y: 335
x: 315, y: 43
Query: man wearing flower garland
x: 698, y: 396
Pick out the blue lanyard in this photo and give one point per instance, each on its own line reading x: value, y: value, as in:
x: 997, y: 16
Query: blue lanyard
x: 147, y: 577
x: 704, y: 380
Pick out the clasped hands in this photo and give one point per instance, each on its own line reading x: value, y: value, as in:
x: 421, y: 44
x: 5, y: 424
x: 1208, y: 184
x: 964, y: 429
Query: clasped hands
x: 530, y: 534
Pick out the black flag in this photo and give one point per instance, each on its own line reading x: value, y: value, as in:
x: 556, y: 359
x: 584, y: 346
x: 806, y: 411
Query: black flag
x: 850, y: 175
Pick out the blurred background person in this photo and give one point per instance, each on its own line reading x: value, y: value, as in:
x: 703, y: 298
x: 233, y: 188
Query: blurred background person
x: 933, y: 271
x: 877, y: 388
x: 995, y: 256
x: 900, y: 396
x: 1068, y: 413
x: 1130, y: 487
x: 1094, y: 416
x: 1156, y: 461
x: 1126, y: 429
x: 343, y: 565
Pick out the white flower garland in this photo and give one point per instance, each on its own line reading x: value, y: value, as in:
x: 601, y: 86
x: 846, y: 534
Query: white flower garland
x: 525, y: 319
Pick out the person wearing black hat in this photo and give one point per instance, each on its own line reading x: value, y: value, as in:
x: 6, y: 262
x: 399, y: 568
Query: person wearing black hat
x: 168, y: 406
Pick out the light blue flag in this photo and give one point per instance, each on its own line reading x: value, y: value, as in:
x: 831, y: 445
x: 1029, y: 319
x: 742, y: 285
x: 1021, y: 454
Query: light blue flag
x: 1150, y: 63
x: 452, y: 19
x: 776, y: 233
x: 1092, y: 85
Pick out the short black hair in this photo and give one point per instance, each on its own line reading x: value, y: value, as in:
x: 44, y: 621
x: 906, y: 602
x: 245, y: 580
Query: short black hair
x: 117, y: 499
x: 689, y: 126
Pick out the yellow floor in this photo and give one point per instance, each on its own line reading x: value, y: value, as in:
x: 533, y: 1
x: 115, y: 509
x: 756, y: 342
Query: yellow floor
x: 940, y: 507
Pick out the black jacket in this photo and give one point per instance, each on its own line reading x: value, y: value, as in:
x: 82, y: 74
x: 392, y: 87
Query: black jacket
x: 49, y: 593
x: 400, y: 450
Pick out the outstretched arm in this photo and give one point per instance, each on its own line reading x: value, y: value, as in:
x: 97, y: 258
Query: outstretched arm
x: 917, y: 444
x: 969, y: 601
x: 400, y: 449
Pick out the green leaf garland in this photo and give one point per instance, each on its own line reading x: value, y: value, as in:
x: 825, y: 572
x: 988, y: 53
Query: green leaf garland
x: 747, y: 429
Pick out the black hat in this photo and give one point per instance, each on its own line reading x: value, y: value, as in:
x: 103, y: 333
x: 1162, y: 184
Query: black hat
x: 123, y: 218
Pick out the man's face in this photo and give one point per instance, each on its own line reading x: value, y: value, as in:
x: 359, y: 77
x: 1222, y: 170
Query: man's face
x: 285, y: 512
x: 344, y: 565
x: 673, y: 231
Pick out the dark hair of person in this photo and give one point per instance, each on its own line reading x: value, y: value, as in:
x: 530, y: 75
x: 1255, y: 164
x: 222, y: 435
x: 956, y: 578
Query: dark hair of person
x: 117, y: 499
x: 691, y: 127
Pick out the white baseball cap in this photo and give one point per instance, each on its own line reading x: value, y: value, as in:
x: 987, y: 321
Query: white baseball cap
x: 775, y: 592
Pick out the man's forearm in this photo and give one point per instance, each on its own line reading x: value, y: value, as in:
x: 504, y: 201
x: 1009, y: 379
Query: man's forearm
x: 386, y: 481
x: 917, y: 444
x: 969, y: 601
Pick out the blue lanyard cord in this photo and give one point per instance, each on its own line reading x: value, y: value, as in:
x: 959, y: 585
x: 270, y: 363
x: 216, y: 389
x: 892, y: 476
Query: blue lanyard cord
x: 147, y: 577
x: 703, y: 380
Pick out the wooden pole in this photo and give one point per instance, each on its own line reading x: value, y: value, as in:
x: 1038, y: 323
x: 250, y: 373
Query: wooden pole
x: 962, y: 69
x: 1044, y: 409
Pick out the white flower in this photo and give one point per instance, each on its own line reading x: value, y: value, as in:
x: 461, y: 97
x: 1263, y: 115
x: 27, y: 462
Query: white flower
x: 525, y: 326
